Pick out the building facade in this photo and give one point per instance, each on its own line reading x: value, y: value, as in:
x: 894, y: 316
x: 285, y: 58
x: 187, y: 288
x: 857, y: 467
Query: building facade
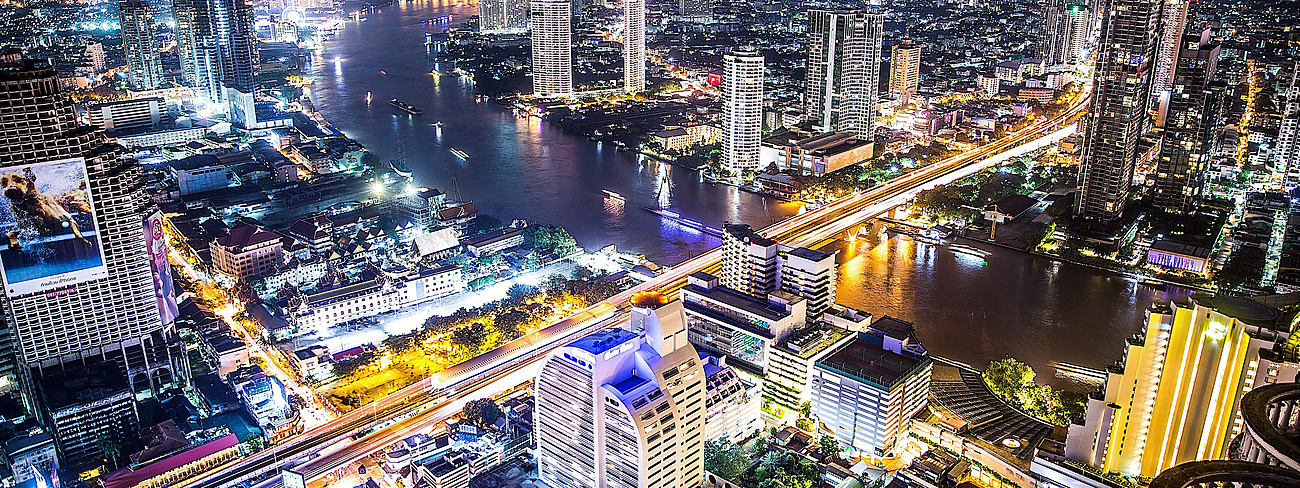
x: 633, y: 46
x: 742, y: 94
x: 1173, y: 20
x: 137, y: 113
x: 140, y: 44
x: 1192, y: 127
x: 751, y: 263
x: 503, y: 16
x: 221, y: 35
x: 247, y: 252
x: 843, y: 81
x: 904, y: 69
x: 1063, y: 35
x: 552, y: 23
x: 1117, y: 117
x: 726, y: 322
x: 626, y: 410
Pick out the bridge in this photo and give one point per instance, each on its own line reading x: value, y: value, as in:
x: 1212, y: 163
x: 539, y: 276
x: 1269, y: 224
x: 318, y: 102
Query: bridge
x: 428, y: 401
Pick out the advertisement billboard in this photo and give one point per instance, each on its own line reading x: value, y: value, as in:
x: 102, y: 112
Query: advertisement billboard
x: 155, y: 243
x: 715, y: 79
x: 48, y: 235
x: 983, y: 123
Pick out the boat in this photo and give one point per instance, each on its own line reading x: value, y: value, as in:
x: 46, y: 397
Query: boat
x: 437, y: 124
x: 613, y: 195
x: 406, y: 107
x: 464, y: 156
x: 368, y: 98
x: 382, y: 72
x: 1153, y: 283
x: 970, y: 251
x: 401, y: 168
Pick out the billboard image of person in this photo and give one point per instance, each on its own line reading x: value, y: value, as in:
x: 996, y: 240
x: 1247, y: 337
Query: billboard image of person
x: 155, y: 242
x: 48, y: 235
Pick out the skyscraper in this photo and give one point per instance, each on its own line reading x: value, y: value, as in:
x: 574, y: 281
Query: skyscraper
x: 621, y: 409
x: 1192, y: 117
x: 140, y: 44
x: 695, y: 8
x: 742, y: 94
x: 80, y: 293
x: 904, y: 69
x: 503, y: 15
x: 224, y: 46
x: 1130, y: 32
x: 552, y: 22
x: 1286, y: 155
x: 1064, y: 32
x: 633, y: 45
x: 750, y: 262
x: 1174, y: 22
x: 843, y: 83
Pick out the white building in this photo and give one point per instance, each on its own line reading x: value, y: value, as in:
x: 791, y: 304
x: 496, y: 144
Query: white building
x: 136, y: 113
x: 633, y: 45
x: 503, y: 16
x: 905, y: 69
x: 742, y: 93
x: 552, y: 23
x: 811, y: 275
x: 742, y: 327
x: 843, y: 79
x: 1285, y: 157
x: 621, y: 409
x: 733, y: 405
x: 750, y: 262
x: 140, y: 44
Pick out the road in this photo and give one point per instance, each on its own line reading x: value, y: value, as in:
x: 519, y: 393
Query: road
x: 454, y: 384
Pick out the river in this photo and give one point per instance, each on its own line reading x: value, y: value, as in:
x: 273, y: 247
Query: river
x: 1025, y: 306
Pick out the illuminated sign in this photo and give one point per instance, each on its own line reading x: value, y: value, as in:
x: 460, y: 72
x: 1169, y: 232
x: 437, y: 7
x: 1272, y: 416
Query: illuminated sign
x: 715, y: 79
x: 48, y: 235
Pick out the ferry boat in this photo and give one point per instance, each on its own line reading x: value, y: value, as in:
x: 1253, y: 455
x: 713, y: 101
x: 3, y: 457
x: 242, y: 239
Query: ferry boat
x: 367, y: 98
x: 970, y: 251
x: 464, y: 156
x: 401, y: 168
x: 613, y: 195
x: 382, y: 72
x: 406, y: 107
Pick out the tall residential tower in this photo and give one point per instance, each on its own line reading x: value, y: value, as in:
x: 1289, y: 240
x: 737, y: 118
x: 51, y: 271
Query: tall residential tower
x: 140, y: 44
x: 633, y: 45
x: 552, y: 22
x: 843, y: 84
x: 904, y: 69
x: 742, y: 94
x: 1191, y: 122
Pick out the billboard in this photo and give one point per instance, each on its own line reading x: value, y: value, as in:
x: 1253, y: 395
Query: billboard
x: 715, y: 79
x: 155, y: 243
x: 983, y: 123
x: 48, y: 235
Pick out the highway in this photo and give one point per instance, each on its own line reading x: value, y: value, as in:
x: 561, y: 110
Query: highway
x: 431, y: 400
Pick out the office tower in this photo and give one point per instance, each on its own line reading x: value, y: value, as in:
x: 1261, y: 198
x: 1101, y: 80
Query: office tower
x: 843, y: 84
x: 695, y: 8
x: 1191, y: 125
x: 94, y: 54
x: 811, y: 275
x: 503, y: 15
x: 184, y: 14
x: 868, y: 390
x: 751, y: 263
x: 1176, y: 397
x: 788, y: 380
x: 90, y: 297
x: 743, y: 327
x: 140, y: 44
x: 904, y: 69
x: 633, y: 46
x: 224, y: 45
x: 1174, y: 22
x: 742, y: 94
x: 1064, y: 32
x: 732, y: 405
x: 552, y: 22
x: 1130, y: 31
x: 622, y: 409
x: 1285, y: 158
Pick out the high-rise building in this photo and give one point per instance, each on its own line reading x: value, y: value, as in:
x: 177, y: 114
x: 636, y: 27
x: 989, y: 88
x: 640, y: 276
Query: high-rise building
x: 904, y: 69
x: 621, y: 409
x: 1285, y: 158
x: 90, y: 297
x: 867, y: 391
x: 742, y: 94
x: 140, y: 44
x: 633, y: 45
x: 184, y: 14
x: 1191, y: 125
x: 1117, y: 116
x: 1064, y: 32
x: 732, y: 405
x: 740, y: 326
x: 552, y: 23
x: 1177, y: 395
x: 224, y: 44
x: 812, y: 275
x: 843, y: 84
x: 1173, y: 21
x: 503, y: 16
x: 750, y: 262
x: 695, y: 8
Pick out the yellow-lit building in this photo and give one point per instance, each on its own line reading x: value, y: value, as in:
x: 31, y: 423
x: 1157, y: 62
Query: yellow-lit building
x: 1175, y: 397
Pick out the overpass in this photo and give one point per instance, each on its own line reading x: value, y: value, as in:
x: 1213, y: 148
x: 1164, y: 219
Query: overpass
x: 433, y: 399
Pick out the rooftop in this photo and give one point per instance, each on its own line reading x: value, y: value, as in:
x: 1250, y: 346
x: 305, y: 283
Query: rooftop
x: 1181, y: 248
x: 810, y: 341
x: 746, y: 233
x: 810, y: 254
x: 599, y: 342
x: 871, y: 364
x: 740, y: 300
x: 492, y: 236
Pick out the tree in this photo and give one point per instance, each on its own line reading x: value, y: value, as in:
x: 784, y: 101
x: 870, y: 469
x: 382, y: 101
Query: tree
x: 471, y: 337
x: 803, y: 424
x: 726, y: 460
x: 1010, y: 379
x: 111, y: 450
x: 520, y: 291
x: 482, y: 412
x: 805, y: 410
x: 482, y: 223
x: 828, y: 446
x: 349, y: 366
